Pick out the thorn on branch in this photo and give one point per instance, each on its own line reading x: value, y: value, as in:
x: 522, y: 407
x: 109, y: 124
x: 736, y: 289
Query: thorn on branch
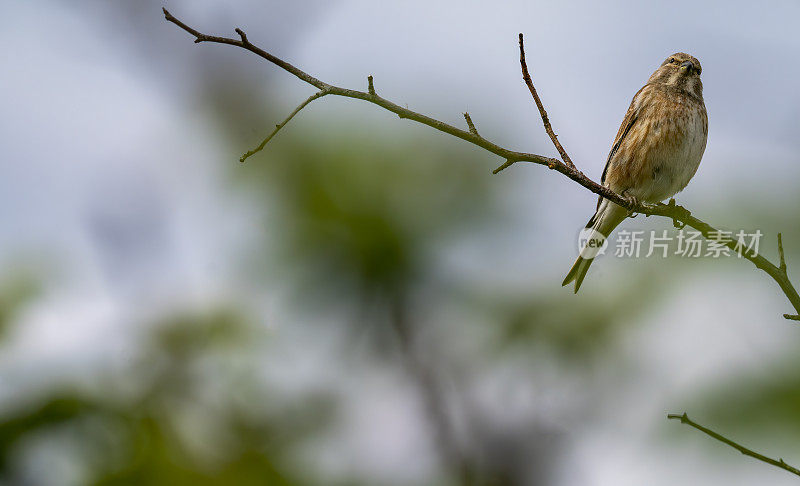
x: 243, y: 36
x: 371, y: 86
x: 508, y: 163
x: 682, y: 417
x: 471, y: 125
x: 780, y: 254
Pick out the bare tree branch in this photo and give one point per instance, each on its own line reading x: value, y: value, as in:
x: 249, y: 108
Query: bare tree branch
x: 744, y: 450
x: 676, y: 213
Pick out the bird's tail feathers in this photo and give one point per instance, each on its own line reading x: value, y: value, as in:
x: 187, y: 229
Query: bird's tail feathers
x: 607, y: 217
x: 578, y: 272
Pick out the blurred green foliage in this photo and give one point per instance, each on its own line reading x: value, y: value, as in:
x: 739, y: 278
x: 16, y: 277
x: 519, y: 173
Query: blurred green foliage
x: 16, y: 290
x: 356, y: 218
x: 347, y: 223
x: 552, y: 322
x: 765, y: 404
x: 141, y: 438
x: 369, y: 217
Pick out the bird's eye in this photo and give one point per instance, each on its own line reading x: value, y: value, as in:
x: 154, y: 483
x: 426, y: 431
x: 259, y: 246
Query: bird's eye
x: 672, y: 60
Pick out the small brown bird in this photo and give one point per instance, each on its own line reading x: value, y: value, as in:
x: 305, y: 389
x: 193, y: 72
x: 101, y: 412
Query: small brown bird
x: 656, y: 152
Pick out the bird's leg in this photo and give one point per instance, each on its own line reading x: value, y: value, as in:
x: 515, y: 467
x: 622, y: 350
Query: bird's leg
x: 632, y: 200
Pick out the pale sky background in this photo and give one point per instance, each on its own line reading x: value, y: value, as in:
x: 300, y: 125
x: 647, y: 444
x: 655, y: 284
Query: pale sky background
x: 101, y: 144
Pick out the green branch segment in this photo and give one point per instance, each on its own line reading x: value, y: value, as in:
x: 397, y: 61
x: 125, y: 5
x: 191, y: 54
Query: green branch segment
x: 744, y: 450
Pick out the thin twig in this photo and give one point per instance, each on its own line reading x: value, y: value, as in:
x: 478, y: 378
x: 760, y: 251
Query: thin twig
x: 317, y: 95
x: 792, y: 317
x: 506, y: 164
x: 245, y: 44
x: 471, y: 125
x: 547, y: 127
x: 673, y: 212
x: 744, y: 450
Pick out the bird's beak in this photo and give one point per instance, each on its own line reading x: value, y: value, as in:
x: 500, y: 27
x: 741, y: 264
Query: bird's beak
x: 687, y: 66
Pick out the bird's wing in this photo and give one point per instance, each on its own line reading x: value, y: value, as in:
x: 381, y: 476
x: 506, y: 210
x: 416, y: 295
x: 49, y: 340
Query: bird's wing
x: 630, y: 119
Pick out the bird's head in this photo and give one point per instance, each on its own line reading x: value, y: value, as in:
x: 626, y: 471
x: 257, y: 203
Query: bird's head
x: 682, y: 71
